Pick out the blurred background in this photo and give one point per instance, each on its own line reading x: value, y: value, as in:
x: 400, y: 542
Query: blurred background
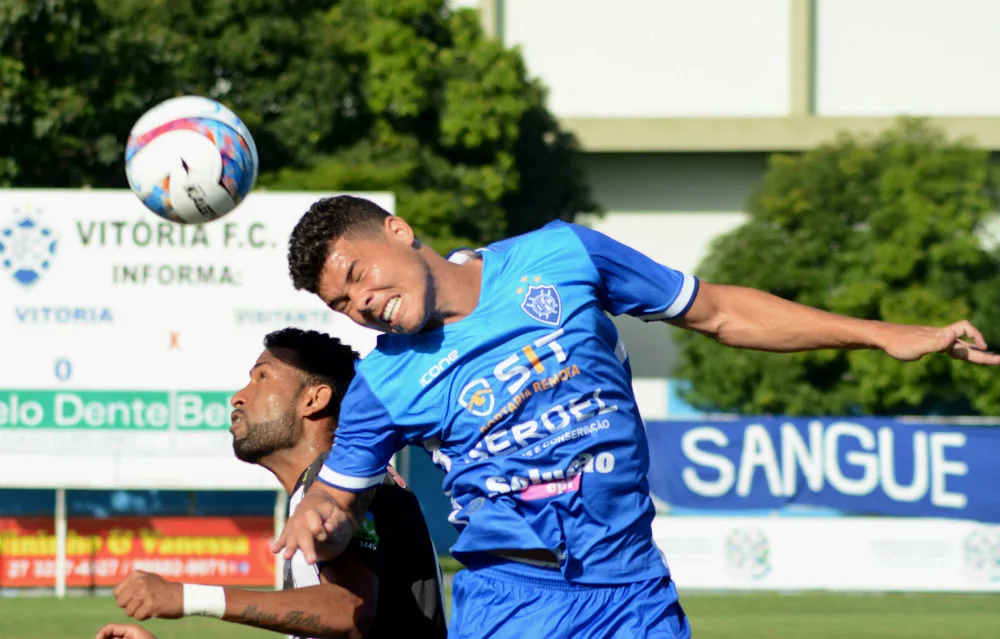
x: 841, y: 153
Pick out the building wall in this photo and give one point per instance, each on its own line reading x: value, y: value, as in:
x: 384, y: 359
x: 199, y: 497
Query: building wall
x: 670, y: 207
x: 928, y: 57
x: 655, y: 58
x: 734, y: 58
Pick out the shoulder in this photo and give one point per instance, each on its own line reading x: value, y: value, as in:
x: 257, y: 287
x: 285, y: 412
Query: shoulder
x: 362, y: 396
x: 556, y: 231
x: 555, y: 246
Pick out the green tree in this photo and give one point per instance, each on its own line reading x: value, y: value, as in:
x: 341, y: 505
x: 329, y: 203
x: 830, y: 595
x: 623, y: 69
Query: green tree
x: 892, y: 228
x: 449, y: 121
x: 395, y: 95
x: 71, y: 82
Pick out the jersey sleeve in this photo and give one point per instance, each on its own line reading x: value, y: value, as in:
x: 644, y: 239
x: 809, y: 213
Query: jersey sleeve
x: 364, y: 442
x: 632, y: 283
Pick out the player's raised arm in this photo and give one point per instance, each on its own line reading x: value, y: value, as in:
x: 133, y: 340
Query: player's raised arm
x: 748, y: 318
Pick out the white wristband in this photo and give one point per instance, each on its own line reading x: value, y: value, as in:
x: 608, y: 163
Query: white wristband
x: 204, y: 601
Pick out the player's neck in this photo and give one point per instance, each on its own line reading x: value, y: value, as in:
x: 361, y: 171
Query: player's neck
x: 456, y: 290
x: 287, y: 465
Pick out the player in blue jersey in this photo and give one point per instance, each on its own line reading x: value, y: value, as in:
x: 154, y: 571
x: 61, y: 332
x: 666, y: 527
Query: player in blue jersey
x: 509, y: 372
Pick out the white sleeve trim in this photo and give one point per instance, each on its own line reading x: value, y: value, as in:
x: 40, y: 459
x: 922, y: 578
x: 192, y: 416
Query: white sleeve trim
x: 461, y: 256
x: 347, y: 482
x: 680, y: 302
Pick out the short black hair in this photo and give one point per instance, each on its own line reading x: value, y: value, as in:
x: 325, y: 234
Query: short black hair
x: 321, y: 358
x: 323, y: 224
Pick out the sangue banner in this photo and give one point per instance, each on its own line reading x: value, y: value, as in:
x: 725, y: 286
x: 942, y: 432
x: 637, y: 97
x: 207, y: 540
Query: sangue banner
x: 874, y: 466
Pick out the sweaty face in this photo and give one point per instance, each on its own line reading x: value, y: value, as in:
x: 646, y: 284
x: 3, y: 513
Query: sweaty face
x: 264, y: 416
x: 380, y: 282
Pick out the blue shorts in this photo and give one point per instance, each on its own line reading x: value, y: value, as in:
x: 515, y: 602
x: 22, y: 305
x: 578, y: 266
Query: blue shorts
x: 507, y: 599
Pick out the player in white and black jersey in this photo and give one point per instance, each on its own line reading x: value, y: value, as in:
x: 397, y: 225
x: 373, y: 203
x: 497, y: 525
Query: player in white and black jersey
x: 393, y: 543
x: 387, y: 583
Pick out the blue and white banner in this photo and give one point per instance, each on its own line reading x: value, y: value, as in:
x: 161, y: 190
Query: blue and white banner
x: 869, y: 466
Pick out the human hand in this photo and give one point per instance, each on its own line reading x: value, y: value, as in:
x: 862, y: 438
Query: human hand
x: 124, y: 631
x: 144, y: 595
x: 960, y: 340
x: 317, y: 518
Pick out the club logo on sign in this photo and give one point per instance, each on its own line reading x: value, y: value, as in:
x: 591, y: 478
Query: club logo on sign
x: 981, y: 554
x: 26, y: 247
x: 542, y: 303
x: 748, y: 554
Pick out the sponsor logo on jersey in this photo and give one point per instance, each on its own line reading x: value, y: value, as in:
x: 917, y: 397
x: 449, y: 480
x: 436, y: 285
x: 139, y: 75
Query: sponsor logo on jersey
x: 477, y: 397
x: 435, y: 371
x: 366, y: 533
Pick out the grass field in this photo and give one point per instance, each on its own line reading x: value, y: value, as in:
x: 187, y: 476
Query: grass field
x: 748, y: 616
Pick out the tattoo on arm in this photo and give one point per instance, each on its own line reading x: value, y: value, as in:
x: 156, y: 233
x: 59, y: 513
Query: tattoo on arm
x: 295, y: 621
x: 302, y: 622
x: 254, y: 615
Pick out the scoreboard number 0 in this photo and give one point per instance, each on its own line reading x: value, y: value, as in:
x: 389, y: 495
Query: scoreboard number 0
x: 64, y: 370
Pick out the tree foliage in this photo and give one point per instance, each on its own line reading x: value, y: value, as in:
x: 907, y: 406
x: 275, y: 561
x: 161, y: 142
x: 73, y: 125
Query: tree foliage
x: 398, y: 95
x: 893, y: 228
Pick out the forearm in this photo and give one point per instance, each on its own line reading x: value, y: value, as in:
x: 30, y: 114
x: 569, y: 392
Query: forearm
x: 326, y: 610
x: 748, y: 318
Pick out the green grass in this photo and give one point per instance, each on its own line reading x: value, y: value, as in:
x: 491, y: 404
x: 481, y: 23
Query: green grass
x: 842, y: 616
x: 82, y: 617
x: 747, y: 616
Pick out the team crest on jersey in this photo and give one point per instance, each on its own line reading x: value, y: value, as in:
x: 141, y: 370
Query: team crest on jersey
x: 542, y: 303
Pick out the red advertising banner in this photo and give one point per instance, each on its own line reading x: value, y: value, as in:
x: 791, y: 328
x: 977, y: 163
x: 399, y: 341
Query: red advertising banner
x: 231, y: 551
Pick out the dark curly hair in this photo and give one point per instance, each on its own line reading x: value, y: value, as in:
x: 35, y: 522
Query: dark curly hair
x: 323, y: 224
x: 322, y: 359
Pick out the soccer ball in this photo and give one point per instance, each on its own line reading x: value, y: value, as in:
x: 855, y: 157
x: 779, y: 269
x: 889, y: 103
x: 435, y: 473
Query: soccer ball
x: 190, y: 160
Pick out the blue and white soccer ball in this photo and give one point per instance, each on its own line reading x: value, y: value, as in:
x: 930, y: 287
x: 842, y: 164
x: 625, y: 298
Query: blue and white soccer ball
x: 190, y: 160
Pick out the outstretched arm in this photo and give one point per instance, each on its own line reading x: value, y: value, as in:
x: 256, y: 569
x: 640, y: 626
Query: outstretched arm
x: 342, y: 605
x: 331, y: 609
x: 748, y: 318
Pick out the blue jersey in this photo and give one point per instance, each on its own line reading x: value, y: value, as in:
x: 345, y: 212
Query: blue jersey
x: 527, y: 404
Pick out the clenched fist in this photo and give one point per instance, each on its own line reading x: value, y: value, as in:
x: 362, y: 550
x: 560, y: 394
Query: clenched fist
x: 144, y: 595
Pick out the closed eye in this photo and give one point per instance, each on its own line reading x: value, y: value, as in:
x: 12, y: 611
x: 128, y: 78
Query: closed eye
x: 339, y: 305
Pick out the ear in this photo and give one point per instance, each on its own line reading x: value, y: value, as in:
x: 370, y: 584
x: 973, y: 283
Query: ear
x: 398, y: 229
x: 315, y: 399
